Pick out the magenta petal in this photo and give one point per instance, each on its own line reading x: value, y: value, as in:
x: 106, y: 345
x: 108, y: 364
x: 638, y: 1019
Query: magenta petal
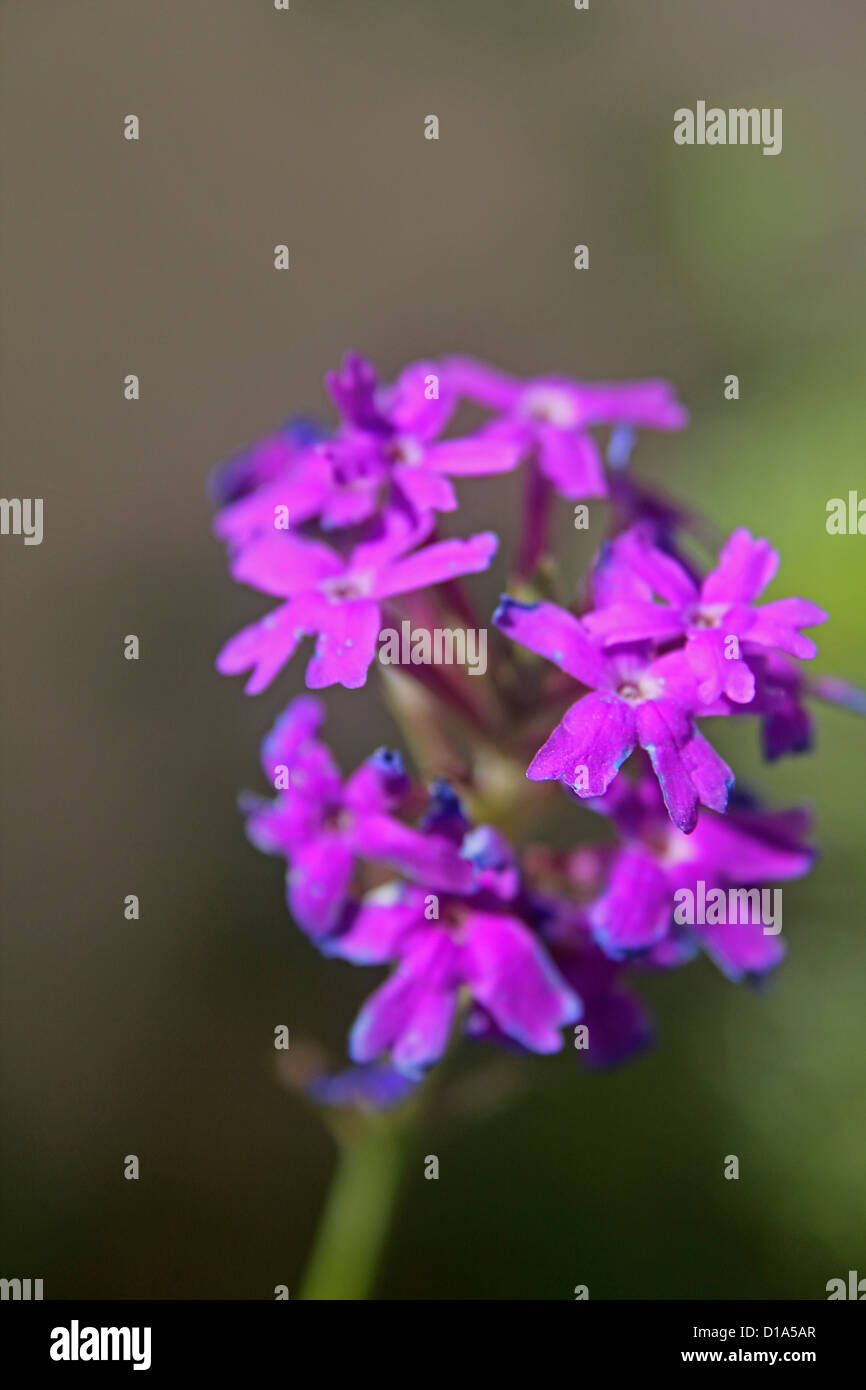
x: 632, y: 622
x: 314, y: 776
x: 303, y: 491
x: 512, y: 976
x: 299, y: 722
x: 436, y: 563
x: 429, y: 859
x: 741, y: 950
x: 662, y: 574
x: 425, y: 489
x: 350, y: 504
x: 278, y: 826
x: 745, y: 568
x: 571, y: 460
x: 411, y: 1014
x: 317, y: 883
x: 395, y: 531
x: 263, y: 647
x: 615, y: 580
x: 635, y: 910
x: 676, y: 676
x: 346, y: 643
x: 587, y: 749
x: 716, y: 673
x: 353, y: 388
x: 477, y: 456
x: 487, y: 385
x: 380, y: 924
x: 411, y: 409
x: 380, y: 783
x: 755, y: 846
x: 553, y: 632
x: 646, y: 404
x: 688, y: 768
x: 285, y: 565
x: 775, y: 625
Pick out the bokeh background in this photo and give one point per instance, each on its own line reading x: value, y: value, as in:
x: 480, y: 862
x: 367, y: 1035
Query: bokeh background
x: 155, y: 1037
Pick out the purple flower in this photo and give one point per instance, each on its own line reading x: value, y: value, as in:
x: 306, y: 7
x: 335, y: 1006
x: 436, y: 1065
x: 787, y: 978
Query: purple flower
x: 747, y: 847
x: 389, y: 439
x: 716, y: 617
x: 295, y: 494
x: 262, y: 463
x: 636, y: 699
x: 336, y: 599
x: 386, y: 450
x: 553, y: 415
x: 479, y: 942
x: 322, y: 825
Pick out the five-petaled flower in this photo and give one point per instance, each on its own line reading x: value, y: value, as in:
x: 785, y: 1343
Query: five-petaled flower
x: 553, y: 416
x: 637, y: 698
x: 336, y: 598
x: 718, y: 617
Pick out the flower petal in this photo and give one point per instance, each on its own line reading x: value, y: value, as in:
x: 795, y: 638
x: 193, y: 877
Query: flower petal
x: 572, y: 461
x: 553, y: 632
x: 299, y: 722
x: 662, y: 574
x: 412, y: 1012
x: 741, y: 950
x: 263, y: 647
x: 689, y: 770
x: 285, y: 565
x: 429, y: 859
x: 411, y: 409
x: 477, y: 456
x: 346, y: 643
x: 745, y: 568
x: 718, y: 674
x: 632, y: 622
x: 436, y: 563
x: 512, y: 976
x: 588, y: 747
x: 649, y: 404
x: 425, y: 489
x: 378, y: 925
x: 479, y: 382
x: 635, y: 910
x: 317, y: 883
x: 775, y: 625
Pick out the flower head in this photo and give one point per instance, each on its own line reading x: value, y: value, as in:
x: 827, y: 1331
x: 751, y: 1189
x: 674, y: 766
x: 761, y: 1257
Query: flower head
x: 718, y: 617
x: 336, y: 598
x: 637, y: 698
x: 389, y: 440
x: 478, y: 941
x: 322, y: 825
x: 553, y: 416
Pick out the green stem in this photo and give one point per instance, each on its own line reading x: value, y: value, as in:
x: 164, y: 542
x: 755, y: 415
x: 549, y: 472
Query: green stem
x: 357, y: 1215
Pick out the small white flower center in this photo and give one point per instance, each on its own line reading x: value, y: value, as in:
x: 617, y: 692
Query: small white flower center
x: 551, y: 407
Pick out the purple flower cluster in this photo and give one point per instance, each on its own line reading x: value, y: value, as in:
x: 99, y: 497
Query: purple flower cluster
x: 658, y: 651
x: 455, y: 918
x: 336, y: 527
x: 512, y: 944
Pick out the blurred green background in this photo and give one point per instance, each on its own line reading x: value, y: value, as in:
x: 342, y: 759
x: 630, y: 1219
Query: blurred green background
x: 155, y: 1037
